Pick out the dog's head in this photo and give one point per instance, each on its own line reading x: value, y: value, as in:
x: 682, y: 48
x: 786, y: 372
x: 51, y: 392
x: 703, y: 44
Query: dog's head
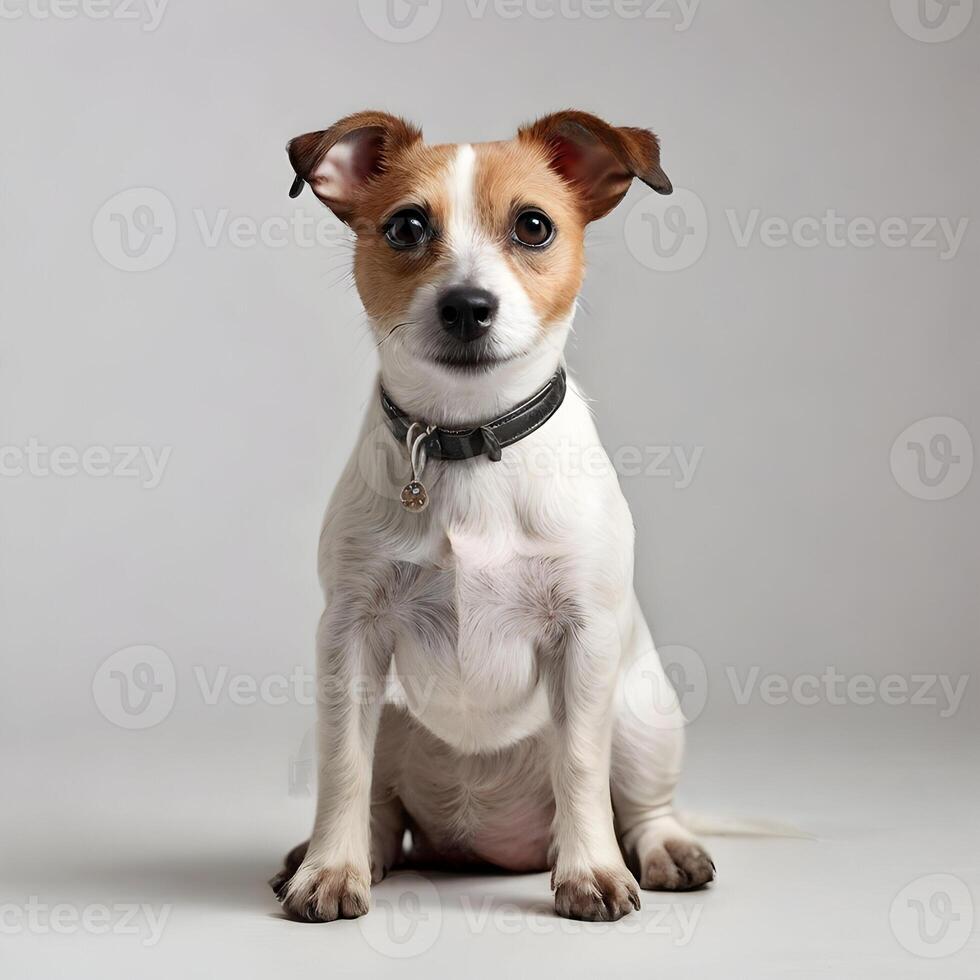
x: 469, y: 257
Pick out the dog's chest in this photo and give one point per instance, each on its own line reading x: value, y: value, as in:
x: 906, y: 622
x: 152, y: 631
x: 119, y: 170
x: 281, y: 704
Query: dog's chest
x: 466, y: 651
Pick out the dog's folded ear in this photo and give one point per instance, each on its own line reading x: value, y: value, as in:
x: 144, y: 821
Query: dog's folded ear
x: 597, y: 159
x: 340, y: 161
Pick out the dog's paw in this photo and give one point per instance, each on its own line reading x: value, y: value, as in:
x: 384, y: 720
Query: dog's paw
x: 601, y: 895
x: 317, y: 894
x: 384, y: 855
x: 676, y: 864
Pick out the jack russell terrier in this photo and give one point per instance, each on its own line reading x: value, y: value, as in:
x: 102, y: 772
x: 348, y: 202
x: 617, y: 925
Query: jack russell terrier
x: 476, y: 660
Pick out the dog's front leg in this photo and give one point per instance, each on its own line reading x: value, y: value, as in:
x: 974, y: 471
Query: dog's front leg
x: 334, y: 879
x: 589, y: 877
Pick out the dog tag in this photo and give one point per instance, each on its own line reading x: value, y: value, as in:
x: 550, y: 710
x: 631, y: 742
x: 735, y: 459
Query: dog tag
x: 414, y: 497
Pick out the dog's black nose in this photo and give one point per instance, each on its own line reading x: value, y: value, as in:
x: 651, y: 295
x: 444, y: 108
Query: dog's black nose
x: 467, y: 312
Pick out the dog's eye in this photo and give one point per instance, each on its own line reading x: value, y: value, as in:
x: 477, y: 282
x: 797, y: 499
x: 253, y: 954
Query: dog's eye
x: 534, y: 228
x: 409, y: 228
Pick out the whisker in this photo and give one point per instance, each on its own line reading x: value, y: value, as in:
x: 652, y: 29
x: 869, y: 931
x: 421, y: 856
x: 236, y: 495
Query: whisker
x: 406, y: 323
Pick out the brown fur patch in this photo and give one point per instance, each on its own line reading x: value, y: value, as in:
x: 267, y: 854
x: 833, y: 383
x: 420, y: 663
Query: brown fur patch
x: 599, y: 160
x: 509, y: 178
x: 571, y: 165
x: 381, y: 137
x: 387, y: 279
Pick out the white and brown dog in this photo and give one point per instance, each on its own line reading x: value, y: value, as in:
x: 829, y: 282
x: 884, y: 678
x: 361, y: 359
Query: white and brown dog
x: 491, y: 601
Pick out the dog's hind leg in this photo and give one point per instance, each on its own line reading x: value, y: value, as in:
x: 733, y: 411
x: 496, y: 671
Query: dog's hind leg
x: 647, y: 752
x: 290, y: 863
x: 388, y: 817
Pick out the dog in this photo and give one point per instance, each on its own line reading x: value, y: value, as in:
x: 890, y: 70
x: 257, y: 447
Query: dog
x: 480, y: 691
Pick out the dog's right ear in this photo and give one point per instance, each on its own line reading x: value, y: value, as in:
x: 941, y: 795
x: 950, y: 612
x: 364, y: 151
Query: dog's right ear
x: 340, y: 161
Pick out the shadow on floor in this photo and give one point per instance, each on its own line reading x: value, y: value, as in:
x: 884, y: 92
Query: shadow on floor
x: 229, y: 881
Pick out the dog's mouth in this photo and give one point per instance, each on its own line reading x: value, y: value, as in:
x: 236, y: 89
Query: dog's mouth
x: 471, y: 361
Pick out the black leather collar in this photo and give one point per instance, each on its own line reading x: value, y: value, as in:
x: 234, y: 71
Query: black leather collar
x: 490, y: 437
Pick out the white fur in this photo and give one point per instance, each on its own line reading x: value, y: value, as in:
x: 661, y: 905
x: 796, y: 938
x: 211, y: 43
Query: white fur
x: 408, y: 373
x: 501, y: 622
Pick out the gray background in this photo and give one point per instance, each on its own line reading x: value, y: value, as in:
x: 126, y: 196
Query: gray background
x: 796, y: 547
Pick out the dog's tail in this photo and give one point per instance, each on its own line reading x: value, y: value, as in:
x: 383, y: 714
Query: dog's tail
x: 709, y: 826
